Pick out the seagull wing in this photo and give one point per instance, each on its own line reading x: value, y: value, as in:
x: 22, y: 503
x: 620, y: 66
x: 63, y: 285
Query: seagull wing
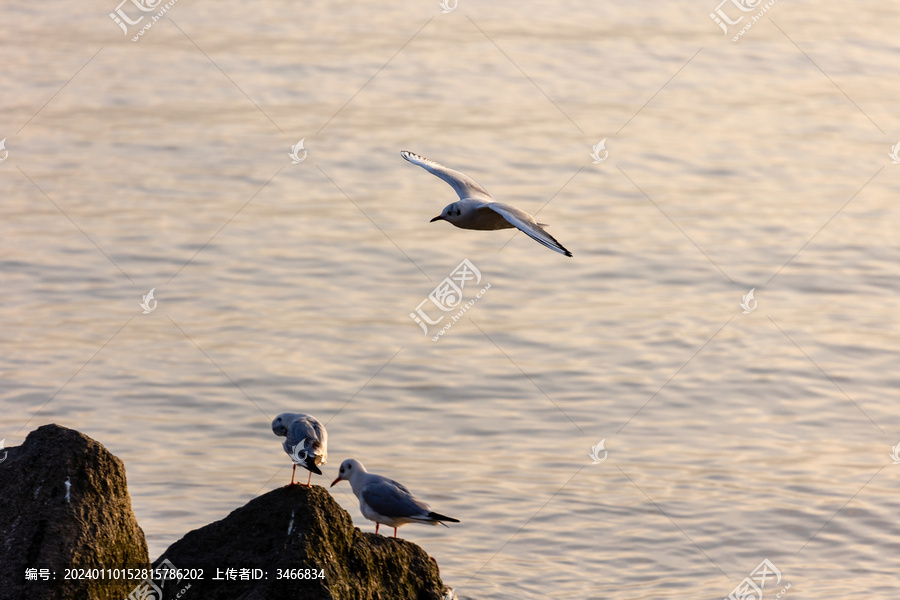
x: 391, y: 499
x: 308, y: 427
x: 463, y: 185
x: 526, y: 224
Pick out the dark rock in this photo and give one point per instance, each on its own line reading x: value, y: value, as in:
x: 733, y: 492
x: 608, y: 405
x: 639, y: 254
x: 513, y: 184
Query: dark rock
x: 299, y: 528
x: 47, y: 524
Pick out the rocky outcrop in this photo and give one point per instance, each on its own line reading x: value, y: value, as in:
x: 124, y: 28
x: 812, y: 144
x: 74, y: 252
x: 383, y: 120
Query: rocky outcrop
x: 65, y: 504
x: 294, y: 532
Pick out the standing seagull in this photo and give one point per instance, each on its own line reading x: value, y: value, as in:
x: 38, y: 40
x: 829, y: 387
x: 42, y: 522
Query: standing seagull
x: 306, y: 443
x: 476, y: 209
x: 384, y: 500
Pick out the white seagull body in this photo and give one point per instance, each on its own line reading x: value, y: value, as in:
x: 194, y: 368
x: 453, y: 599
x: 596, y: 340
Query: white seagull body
x: 306, y: 441
x: 476, y: 209
x: 385, y: 501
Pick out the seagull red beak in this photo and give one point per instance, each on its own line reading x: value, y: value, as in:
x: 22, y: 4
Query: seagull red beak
x: 437, y: 218
x: 335, y: 481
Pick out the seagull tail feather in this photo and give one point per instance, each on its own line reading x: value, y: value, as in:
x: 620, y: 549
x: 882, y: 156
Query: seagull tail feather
x: 312, y: 466
x: 439, y: 517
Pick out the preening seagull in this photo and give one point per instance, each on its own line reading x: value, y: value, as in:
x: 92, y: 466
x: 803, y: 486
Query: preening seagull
x: 386, y: 501
x: 306, y: 443
x: 476, y: 209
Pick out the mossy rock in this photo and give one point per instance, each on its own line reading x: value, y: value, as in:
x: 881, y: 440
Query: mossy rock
x: 66, y: 505
x: 299, y: 528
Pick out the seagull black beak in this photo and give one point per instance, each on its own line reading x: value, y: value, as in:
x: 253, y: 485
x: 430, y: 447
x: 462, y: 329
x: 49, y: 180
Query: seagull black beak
x: 437, y: 218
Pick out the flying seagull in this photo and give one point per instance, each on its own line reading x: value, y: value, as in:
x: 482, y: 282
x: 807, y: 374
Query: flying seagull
x: 306, y: 443
x: 386, y: 501
x: 476, y: 209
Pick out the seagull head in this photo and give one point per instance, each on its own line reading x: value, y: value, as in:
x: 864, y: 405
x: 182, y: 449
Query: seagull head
x: 450, y: 213
x: 280, y: 424
x: 349, y: 469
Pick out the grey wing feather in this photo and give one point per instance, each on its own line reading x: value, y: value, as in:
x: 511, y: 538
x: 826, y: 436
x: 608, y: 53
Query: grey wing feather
x: 309, y: 428
x: 527, y: 225
x: 391, y: 499
x: 462, y: 184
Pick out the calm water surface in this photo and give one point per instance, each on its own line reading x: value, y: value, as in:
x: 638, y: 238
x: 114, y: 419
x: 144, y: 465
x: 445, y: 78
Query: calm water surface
x: 731, y: 437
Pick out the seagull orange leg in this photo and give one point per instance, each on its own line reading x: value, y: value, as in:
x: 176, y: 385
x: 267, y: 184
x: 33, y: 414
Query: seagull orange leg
x: 292, y: 474
x: 395, y: 532
x: 377, y: 525
x: 308, y: 479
